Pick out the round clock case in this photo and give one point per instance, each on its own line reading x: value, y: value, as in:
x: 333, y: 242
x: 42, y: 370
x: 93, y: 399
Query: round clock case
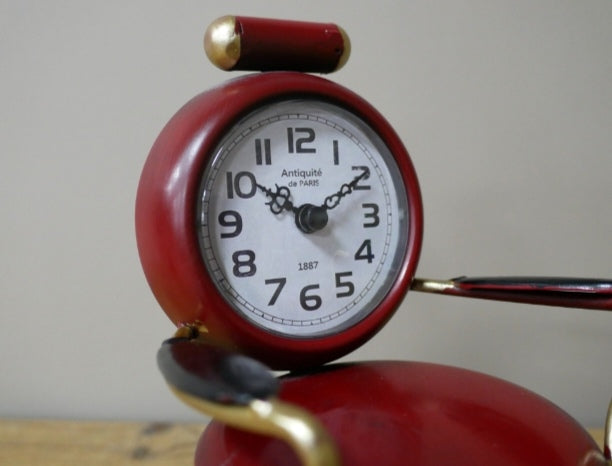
x: 167, y: 223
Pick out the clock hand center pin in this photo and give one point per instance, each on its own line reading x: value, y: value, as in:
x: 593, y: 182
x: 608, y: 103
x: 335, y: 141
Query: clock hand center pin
x: 309, y: 218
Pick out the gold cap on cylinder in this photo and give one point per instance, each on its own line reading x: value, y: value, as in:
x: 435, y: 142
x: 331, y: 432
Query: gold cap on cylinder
x: 222, y: 43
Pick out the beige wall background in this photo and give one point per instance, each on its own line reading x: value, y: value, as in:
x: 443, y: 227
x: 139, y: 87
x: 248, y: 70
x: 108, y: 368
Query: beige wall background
x: 505, y: 107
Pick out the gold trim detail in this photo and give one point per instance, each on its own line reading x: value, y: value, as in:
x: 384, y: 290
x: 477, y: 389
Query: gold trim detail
x: 221, y: 43
x: 272, y: 417
x: 346, y: 52
x: 431, y: 286
x: 191, y: 331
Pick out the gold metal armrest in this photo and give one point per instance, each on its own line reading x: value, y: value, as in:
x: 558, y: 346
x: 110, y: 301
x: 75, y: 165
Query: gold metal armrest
x: 275, y: 418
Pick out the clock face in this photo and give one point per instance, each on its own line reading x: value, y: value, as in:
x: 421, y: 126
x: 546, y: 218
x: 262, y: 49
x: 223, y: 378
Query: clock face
x: 302, y: 218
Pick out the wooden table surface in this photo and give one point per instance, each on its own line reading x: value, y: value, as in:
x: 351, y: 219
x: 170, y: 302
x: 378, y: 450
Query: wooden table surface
x: 91, y: 443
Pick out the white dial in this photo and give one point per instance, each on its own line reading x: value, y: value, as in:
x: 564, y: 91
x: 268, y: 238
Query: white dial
x: 303, y: 218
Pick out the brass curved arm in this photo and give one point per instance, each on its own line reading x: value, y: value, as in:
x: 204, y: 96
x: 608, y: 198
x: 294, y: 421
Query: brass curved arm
x: 308, y: 438
x: 241, y: 393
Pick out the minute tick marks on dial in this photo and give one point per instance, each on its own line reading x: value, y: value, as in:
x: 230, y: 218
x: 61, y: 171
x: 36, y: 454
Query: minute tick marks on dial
x: 262, y: 264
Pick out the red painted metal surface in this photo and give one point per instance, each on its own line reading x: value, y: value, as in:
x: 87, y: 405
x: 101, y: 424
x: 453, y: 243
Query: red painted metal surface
x: 583, y: 293
x: 416, y: 414
x: 268, y: 44
x: 166, y: 225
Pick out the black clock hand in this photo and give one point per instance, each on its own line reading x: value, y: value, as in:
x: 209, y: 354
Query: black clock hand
x: 279, y: 199
x: 332, y: 201
x: 308, y: 217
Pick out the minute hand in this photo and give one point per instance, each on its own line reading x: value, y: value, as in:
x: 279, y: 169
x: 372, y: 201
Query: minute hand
x: 333, y: 200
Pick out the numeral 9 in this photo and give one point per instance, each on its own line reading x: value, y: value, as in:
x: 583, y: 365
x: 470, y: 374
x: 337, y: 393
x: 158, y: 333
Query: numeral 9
x: 230, y: 219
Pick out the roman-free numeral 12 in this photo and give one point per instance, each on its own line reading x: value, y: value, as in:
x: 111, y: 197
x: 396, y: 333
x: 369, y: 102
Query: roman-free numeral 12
x: 299, y: 144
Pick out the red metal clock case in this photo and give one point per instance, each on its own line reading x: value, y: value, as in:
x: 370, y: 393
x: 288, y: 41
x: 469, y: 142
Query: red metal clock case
x: 166, y: 228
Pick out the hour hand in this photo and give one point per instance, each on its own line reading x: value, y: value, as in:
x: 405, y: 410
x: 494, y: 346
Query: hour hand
x: 280, y: 199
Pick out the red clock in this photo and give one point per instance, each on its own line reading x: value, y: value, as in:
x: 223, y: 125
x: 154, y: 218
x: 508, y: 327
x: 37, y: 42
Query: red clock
x: 279, y: 223
x: 281, y: 212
